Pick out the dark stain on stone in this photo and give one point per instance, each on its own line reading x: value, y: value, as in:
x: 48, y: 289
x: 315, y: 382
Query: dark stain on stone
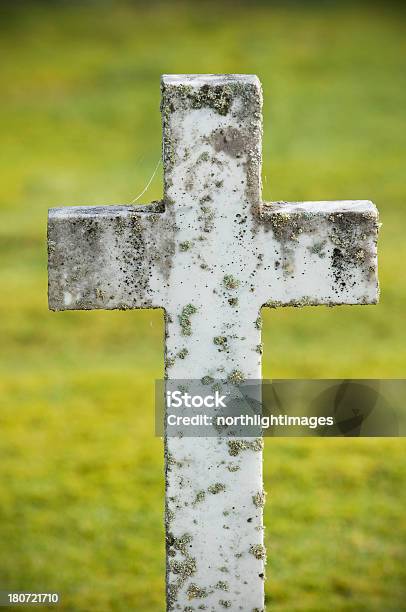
x: 229, y: 140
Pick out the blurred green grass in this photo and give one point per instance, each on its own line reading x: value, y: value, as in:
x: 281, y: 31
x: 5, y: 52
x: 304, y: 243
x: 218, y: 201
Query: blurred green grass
x: 81, y: 496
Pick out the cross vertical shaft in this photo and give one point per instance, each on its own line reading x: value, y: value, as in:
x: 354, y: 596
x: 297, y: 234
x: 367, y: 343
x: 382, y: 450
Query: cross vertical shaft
x: 212, y: 152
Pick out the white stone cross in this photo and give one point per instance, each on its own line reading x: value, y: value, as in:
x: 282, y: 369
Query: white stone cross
x: 211, y: 254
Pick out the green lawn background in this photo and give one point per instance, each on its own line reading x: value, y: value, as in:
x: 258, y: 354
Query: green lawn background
x: 81, y: 486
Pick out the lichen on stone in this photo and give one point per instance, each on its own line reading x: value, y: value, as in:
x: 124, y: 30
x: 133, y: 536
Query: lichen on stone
x: 222, y: 585
x: 218, y: 97
x: 259, y: 499
x: 207, y: 217
x: 230, y: 282
x: 236, y: 377
x: 287, y: 226
x: 180, y: 543
x: 221, y: 342
x: 185, y: 245
x: 218, y: 487
x: 170, y: 460
x: 273, y: 304
x: 236, y: 446
x: 318, y: 248
x: 258, y: 322
x: 171, y: 593
x: 204, y: 157
x: 184, y: 319
x: 200, y: 496
x: 196, y: 592
x: 185, y: 569
x: 169, y: 361
x: 258, y: 551
x: 297, y: 303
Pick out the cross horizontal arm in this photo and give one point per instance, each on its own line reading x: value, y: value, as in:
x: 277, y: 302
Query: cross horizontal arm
x: 319, y: 253
x: 110, y: 257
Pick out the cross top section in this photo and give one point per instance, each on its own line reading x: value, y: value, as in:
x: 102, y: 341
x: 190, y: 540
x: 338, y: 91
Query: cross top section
x: 212, y: 133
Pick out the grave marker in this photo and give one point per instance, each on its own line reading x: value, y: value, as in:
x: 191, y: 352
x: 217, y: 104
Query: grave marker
x: 211, y: 254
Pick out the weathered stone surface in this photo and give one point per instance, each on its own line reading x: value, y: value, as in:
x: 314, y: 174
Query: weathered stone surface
x: 109, y: 257
x: 212, y: 255
x: 320, y: 252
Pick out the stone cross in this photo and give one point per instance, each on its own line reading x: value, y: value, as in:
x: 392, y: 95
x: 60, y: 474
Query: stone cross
x: 211, y: 254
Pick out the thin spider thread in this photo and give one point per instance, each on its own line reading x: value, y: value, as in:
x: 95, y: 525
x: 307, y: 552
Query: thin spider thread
x: 148, y: 184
